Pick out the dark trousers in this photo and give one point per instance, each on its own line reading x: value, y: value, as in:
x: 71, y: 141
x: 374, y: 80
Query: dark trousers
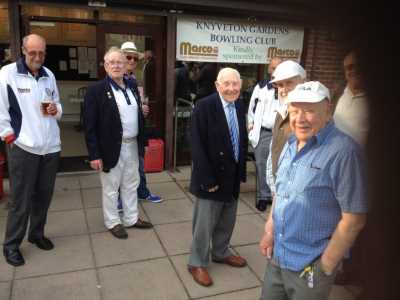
x: 261, y: 153
x: 33, y: 177
x: 143, y: 191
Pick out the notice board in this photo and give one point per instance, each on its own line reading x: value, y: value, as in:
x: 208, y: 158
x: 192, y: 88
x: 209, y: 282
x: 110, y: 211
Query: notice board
x: 72, y: 62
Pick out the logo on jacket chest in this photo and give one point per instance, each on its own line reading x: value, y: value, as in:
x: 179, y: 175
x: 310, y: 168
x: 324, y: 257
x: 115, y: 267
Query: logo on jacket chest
x: 49, y: 92
x: 23, y: 90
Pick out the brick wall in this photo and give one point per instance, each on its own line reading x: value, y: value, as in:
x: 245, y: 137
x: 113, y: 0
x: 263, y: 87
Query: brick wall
x: 323, y: 55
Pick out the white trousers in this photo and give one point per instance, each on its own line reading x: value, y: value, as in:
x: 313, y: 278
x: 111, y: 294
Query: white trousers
x: 125, y: 178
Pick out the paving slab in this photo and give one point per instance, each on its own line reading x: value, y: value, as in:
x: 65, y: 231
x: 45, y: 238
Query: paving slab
x: 248, y: 230
x: 80, y: 285
x: 69, y: 254
x: 3, y: 206
x: 250, y: 199
x: 167, y: 190
x: 95, y: 219
x: 249, y: 185
x: 169, y: 234
x: 5, y: 290
x: 65, y: 183
x: 184, y: 184
x: 66, y: 200
x: 6, y: 270
x: 153, y: 279
x: 90, y: 181
x: 169, y: 211
x: 3, y: 224
x: 65, y: 223
x: 91, y: 197
x: 158, y: 177
x: 243, y: 208
x: 249, y: 294
x: 141, y: 244
x: 255, y: 260
x: 226, y: 279
x: 182, y: 173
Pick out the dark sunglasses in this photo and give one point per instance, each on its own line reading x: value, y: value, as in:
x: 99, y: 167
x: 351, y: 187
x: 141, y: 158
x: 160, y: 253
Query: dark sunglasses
x: 135, y: 58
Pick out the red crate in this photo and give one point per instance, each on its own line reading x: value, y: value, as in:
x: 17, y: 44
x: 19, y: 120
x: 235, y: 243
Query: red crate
x: 154, y: 156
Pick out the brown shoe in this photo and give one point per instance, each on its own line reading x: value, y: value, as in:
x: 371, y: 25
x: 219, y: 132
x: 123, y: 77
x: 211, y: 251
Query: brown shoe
x: 141, y: 224
x: 233, y: 260
x: 200, y: 275
x: 119, y: 232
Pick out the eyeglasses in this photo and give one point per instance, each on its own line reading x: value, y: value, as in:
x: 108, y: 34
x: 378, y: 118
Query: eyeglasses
x: 135, y: 58
x: 41, y: 54
x: 115, y: 63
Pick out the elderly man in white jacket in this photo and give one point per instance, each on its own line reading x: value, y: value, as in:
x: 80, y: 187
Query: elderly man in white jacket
x: 261, y: 118
x: 29, y: 110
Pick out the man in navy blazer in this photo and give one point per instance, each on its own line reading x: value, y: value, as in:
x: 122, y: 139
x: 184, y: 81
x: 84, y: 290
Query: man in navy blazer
x: 219, y: 147
x: 114, y: 136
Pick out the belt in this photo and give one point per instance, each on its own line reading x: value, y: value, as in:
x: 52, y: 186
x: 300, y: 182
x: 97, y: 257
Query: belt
x: 128, y: 140
x: 265, y: 128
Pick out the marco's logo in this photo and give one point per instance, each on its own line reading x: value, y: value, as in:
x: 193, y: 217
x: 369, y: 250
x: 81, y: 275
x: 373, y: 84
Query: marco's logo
x: 284, y: 53
x: 198, y: 50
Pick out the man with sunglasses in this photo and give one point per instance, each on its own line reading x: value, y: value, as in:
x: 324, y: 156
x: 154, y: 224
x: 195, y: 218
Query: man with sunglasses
x: 132, y: 56
x: 30, y: 130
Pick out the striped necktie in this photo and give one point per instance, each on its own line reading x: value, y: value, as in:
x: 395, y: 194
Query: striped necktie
x: 234, y: 132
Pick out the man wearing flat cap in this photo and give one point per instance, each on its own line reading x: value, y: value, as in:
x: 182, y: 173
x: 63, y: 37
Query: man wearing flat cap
x: 320, y: 205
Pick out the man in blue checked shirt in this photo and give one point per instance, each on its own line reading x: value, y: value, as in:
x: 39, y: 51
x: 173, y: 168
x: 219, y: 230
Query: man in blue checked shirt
x: 320, y: 205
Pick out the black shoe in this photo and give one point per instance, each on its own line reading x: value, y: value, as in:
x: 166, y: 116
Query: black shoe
x: 43, y: 243
x: 262, y: 204
x: 119, y: 232
x: 141, y: 224
x: 14, y: 257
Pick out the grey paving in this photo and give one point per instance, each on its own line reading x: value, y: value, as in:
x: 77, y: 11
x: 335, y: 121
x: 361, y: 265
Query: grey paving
x: 5, y: 290
x: 79, y: 285
x: 89, y: 263
x: 154, y: 279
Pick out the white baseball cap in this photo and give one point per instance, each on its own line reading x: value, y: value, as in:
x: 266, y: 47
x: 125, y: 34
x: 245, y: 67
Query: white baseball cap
x: 310, y: 92
x: 129, y: 47
x: 286, y: 70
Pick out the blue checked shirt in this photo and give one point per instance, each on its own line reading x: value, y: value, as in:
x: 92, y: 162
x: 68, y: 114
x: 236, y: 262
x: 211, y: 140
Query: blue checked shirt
x: 314, y: 186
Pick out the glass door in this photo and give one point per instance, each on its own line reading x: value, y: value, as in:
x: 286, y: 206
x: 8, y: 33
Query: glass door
x: 148, y: 39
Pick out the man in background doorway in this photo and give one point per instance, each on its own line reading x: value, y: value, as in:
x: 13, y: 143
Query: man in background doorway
x: 351, y: 113
x: 132, y: 56
x: 260, y: 121
x: 148, y: 75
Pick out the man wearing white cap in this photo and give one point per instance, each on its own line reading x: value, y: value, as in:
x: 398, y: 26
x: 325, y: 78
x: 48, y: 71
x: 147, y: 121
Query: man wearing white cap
x: 132, y: 56
x: 320, y: 204
x: 285, y: 77
x: 260, y: 121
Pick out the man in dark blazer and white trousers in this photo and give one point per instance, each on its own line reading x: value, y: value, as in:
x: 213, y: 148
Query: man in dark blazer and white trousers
x: 114, y: 136
x: 219, y: 147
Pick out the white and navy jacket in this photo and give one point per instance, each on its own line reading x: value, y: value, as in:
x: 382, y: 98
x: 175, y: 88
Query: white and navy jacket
x: 20, y: 113
x: 262, y: 102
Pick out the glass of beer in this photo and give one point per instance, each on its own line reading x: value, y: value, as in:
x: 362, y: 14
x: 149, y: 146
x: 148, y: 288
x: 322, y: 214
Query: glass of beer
x: 44, y: 105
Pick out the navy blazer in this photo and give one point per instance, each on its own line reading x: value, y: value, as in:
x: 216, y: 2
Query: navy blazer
x: 102, y: 123
x: 212, y: 151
